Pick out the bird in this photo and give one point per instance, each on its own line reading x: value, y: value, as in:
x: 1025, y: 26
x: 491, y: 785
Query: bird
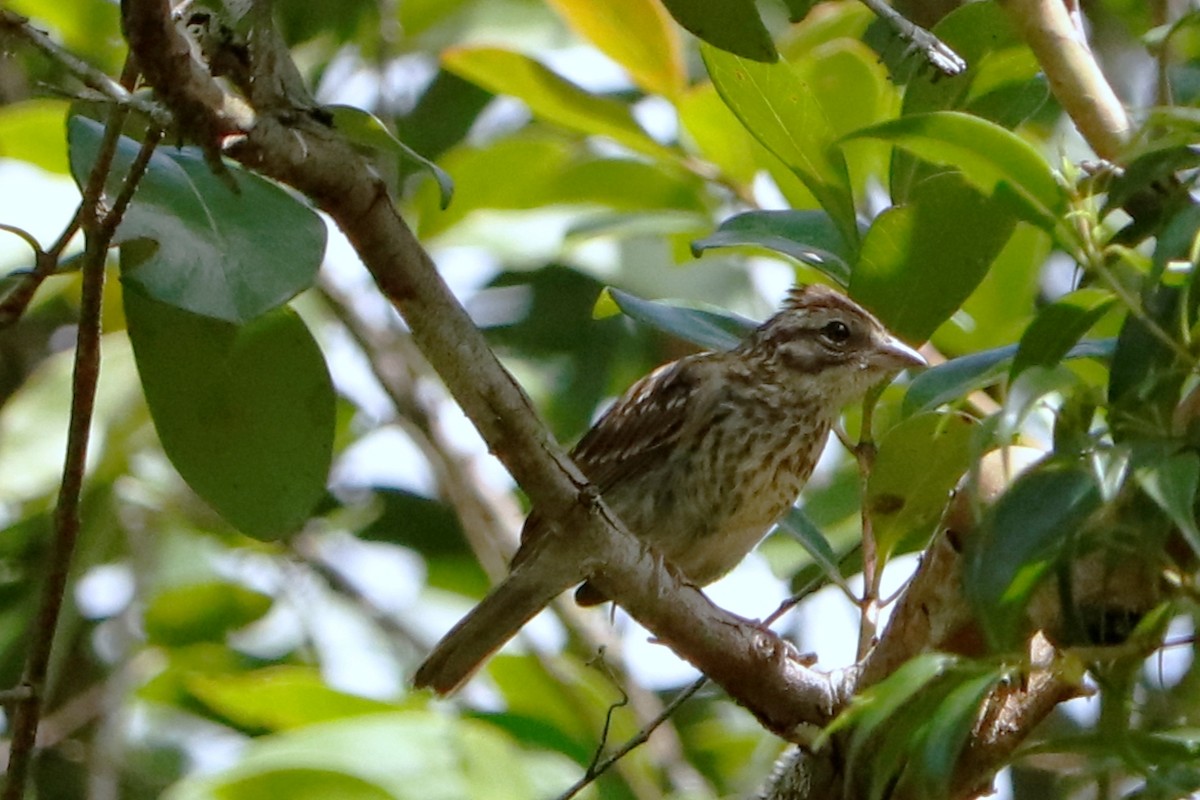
x: 699, y: 458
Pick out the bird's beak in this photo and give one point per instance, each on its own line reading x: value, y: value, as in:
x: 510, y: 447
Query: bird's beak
x: 897, y: 355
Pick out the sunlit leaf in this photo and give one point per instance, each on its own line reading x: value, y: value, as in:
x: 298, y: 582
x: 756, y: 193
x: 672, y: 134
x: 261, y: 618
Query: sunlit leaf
x: 406, y: 754
x: 229, y: 256
x: 947, y: 236
x: 278, y: 698
x: 202, y: 612
x: 245, y: 413
x: 637, y: 34
x: 992, y: 158
x: 31, y: 131
x: 550, y: 96
x: 782, y: 112
x: 810, y: 237
x: 903, y: 501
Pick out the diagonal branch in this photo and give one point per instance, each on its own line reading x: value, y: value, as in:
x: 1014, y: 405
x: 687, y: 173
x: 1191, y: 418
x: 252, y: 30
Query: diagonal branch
x: 294, y: 147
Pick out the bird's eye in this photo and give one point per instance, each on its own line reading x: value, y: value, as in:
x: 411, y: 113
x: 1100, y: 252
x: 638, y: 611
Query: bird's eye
x: 836, y: 332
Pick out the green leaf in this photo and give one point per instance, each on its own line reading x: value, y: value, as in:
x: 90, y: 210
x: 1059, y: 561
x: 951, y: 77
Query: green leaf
x: 731, y: 25
x: 1172, y: 484
x: 223, y: 255
x: 947, y: 236
x: 1059, y: 326
x: 551, y: 97
x: 365, y: 129
x: 945, y: 734
x: 905, y: 503
x: 803, y: 530
x: 245, y: 413
x: 708, y: 327
x: 301, y: 783
x: 875, y: 706
x: 31, y: 130
x: 278, y: 698
x: 637, y: 34
x: 202, y: 612
x: 810, y: 237
x: 989, y: 156
x: 1019, y: 539
x: 782, y: 112
x: 408, y: 755
x: 1002, y: 84
x: 961, y: 376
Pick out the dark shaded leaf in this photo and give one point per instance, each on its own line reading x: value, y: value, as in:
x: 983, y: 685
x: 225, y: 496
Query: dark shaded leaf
x: 709, y: 328
x: 810, y: 237
x: 223, y: 255
x: 731, y: 25
x: 245, y: 413
x: 961, y: 376
x: 1058, y: 327
x: 1019, y: 539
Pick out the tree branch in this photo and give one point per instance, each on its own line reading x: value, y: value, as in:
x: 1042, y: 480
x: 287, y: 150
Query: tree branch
x: 99, y: 228
x: 1058, y: 42
x: 292, y: 146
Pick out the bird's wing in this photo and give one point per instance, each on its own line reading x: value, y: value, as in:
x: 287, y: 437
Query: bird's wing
x: 644, y: 425
x: 641, y: 430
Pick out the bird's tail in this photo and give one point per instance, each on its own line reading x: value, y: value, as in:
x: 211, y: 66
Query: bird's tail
x: 486, y: 629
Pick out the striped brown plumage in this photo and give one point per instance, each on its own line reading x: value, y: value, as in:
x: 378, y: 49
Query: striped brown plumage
x: 701, y: 457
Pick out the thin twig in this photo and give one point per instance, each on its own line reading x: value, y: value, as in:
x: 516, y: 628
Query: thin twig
x: 937, y: 53
x: 99, y: 229
x: 638, y: 740
x: 864, y: 453
x: 17, y: 25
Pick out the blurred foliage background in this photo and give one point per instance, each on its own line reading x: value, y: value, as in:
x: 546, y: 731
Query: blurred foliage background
x: 588, y: 147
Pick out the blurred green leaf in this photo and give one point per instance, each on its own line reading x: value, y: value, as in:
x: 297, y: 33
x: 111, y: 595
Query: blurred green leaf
x: 783, y: 113
x: 300, y: 783
x: 803, y: 530
x: 810, y: 237
x: 202, y: 612
x: 732, y: 25
x: 1059, y: 326
x: 411, y: 755
x: 223, y: 255
x: 366, y: 130
x: 1019, y: 539
x: 245, y: 413
x: 278, y: 698
x: 904, y: 503
x: 637, y: 34
x: 32, y: 131
x: 947, y: 236
x: 710, y: 328
x: 552, y: 97
x: 989, y: 156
